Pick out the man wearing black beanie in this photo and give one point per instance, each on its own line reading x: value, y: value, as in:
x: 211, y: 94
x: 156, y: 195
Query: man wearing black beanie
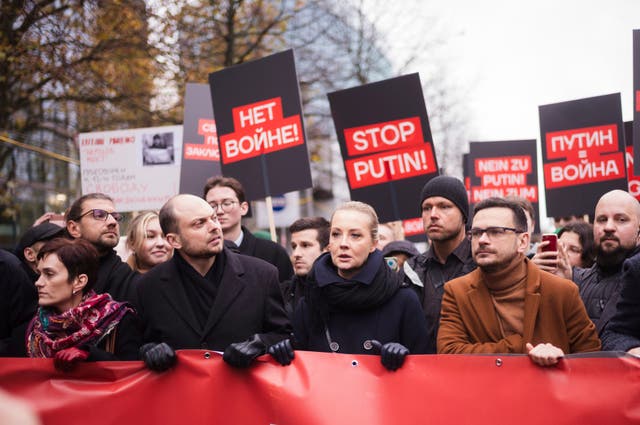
x: 444, y: 205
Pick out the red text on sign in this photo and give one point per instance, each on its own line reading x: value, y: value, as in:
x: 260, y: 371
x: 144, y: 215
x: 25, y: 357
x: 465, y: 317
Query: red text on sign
x: 632, y: 180
x: 413, y: 226
x: 384, y: 136
x: 209, y: 150
x: 560, y: 144
x: 503, y: 176
x: 260, y: 129
x: 390, y: 166
x: 591, y: 156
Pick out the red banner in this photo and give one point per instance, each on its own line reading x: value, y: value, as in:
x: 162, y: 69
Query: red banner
x: 326, y: 388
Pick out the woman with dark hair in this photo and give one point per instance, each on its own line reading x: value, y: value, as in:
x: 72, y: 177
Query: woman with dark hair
x: 73, y: 323
x: 354, y: 303
x: 577, y: 239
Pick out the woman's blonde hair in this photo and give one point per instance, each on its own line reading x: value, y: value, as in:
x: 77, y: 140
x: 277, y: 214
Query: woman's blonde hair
x: 367, y: 210
x: 136, y: 234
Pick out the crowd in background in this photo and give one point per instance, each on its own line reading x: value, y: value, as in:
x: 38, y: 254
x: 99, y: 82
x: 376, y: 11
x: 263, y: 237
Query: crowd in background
x: 197, y: 278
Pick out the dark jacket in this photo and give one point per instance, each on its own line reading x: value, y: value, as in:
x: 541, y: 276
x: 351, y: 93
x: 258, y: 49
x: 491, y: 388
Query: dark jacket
x: 623, y: 330
x: 269, y: 251
x: 116, y: 278
x: 18, y: 304
x: 293, y: 291
x: 427, y: 276
x: 127, y: 339
x: 398, y: 319
x: 600, y: 291
x: 248, y: 302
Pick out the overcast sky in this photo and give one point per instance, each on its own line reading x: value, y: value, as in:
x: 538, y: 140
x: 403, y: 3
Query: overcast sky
x: 509, y: 57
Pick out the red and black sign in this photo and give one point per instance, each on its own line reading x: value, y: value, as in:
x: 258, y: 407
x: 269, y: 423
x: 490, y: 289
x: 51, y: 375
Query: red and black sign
x: 582, y: 153
x: 633, y: 180
x: 505, y: 168
x: 386, y: 144
x: 636, y: 98
x: 260, y: 126
x: 200, y: 156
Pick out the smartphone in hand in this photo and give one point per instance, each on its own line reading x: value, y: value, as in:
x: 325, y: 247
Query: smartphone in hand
x: 552, y: 238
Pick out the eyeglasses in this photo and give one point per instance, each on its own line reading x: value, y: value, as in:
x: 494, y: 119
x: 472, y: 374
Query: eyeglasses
x: 102, y: 215
x: 225, y: 206
x: 492, y: 232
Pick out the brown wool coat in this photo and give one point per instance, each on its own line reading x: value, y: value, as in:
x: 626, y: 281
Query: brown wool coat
x: 554, y: 313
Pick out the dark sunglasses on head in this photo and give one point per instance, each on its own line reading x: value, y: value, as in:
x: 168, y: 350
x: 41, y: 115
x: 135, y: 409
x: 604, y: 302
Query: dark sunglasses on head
x: 102, y: 215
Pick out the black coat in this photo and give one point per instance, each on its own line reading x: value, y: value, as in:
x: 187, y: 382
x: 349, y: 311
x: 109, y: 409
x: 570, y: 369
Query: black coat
x: 248, y: 302
x: 399, y: 319
x: 127, y: 341
x: 623, y: 330
x: 600, y: 291
x: 293, y: 291
x: 116, y: 278
x: 18, y: 304
x: 428, y: 279
x: 269, y: 251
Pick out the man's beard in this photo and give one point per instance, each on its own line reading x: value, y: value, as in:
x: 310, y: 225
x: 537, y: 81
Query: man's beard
x: 612, y: 258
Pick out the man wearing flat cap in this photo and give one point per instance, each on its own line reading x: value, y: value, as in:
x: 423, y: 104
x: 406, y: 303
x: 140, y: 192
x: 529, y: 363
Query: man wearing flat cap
x: 444, y: 206
x: 31, y: 242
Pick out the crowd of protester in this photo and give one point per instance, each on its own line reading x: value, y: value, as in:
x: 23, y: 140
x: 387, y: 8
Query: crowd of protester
x: 196, y: 278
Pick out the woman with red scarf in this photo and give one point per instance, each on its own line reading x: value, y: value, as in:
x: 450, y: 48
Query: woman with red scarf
x: 73, y: 323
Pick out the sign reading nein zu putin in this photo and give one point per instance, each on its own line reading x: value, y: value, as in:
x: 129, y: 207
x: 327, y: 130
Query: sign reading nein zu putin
x: 504, y: 168
x: 386, y: 144
x: 583, y: 153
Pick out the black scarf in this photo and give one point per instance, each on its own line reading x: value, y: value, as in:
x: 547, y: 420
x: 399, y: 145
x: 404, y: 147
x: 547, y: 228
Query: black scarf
x: 374, y: 285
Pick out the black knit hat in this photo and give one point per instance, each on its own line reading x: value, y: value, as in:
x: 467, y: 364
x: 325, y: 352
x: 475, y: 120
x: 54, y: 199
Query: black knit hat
x: 450, y: 188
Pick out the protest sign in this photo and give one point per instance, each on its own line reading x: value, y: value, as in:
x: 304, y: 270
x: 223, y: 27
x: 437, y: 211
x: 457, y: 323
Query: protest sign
x: 201, y: 156
x: 636, y: 98
x: 633, y: 180
x: 466, y: 173
x: 138, y: 168
x: 386, y: 144
x: 260, y: 127
x: 505, y: 168
x: 582, y: 153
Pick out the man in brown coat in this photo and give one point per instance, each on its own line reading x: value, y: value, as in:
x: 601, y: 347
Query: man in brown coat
x: 509, y: 305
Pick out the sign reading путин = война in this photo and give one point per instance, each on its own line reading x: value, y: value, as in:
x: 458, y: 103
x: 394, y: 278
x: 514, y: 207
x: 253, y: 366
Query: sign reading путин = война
x: 582, y: 153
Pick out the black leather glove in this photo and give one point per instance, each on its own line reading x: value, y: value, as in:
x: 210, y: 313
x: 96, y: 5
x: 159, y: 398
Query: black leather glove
x: 158, y: 357
x: 241, y: 354
x: 282, y: 352
x: 392, y: 354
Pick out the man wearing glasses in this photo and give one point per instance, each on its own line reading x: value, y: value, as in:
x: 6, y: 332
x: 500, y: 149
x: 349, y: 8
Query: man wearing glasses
x: 226, y: 197
x: 509, y: 305
x: 93, y: 217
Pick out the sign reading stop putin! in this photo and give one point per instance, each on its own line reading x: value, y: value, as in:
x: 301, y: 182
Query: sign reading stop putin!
x: 260, y: 127
x: 386, y: 144
x: 582, y: 153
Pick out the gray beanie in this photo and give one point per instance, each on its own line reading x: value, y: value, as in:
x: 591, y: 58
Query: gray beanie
x: 450, y: 188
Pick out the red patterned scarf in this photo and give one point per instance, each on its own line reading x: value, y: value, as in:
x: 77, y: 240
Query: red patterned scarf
x: 84, y: 325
